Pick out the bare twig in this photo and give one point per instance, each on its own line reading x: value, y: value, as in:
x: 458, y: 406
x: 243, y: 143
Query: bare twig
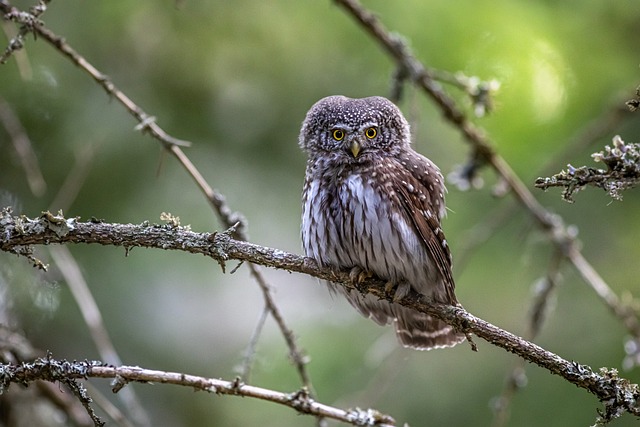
x: 616, y: 393
x: 22, y: 145
x: 54, y: 370
x: 20, y: 57
x: 236, y: 221
x: 479, y: 91
x: 81, y: 394
x: 91, y: 314
x: 75, y: 179
x: 482, y: 147
x: 32, y: 24
x: 517, y: 378
x: 250, y: 351
x: 111, y: 410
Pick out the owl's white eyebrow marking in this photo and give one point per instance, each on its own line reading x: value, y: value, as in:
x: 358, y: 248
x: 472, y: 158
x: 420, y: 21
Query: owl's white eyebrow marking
x: 367, y: 125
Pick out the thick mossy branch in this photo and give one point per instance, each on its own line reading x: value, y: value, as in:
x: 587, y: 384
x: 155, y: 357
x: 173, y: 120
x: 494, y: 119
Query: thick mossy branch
x: 623, y: 172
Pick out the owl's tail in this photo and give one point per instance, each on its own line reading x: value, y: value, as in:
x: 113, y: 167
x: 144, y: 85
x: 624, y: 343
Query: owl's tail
x: 414, y: 329
x: 423, y: 332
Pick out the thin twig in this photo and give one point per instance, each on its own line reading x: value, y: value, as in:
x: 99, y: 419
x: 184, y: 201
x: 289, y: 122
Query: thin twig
x: 74, y: 278
x: 517, y: 378
x: 250, y: 351
x: 75, y: 179
x: 111, y: 410
x: 616, y: 393
x: 22, y: 145
x: 81, y: 394
x: 53, y: 370
x: 423, y: 78
x: 20, y: 57
x: 28, y: 20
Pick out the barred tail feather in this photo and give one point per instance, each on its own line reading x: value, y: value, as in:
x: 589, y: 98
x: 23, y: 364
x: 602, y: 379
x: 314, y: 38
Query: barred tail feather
x: 414, y: 329
x: 423, y: 332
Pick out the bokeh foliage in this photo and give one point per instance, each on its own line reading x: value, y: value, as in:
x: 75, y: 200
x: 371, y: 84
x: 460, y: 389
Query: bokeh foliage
x: 236, y: 78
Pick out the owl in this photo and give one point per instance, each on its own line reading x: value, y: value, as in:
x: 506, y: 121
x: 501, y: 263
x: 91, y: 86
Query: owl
x: 372, y: 205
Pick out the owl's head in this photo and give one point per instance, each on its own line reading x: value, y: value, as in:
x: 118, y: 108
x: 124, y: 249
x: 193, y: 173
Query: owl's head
x: 354, y: 130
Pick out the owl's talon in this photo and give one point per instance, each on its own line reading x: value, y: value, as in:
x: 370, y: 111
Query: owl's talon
x: 388, y: 288
x: 402, y: 291
x: 357, y: 276
x: 353, y: 274
x: 397, y: 291
x: 364, y: 275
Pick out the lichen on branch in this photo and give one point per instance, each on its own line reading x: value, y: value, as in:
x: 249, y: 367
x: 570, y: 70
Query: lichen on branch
x: 623, y: 172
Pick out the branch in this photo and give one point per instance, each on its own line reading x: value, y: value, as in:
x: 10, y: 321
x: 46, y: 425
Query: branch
x: 49, y: 369
x: 28, y: 20
x: 623, y: 172
x: 19, y: 233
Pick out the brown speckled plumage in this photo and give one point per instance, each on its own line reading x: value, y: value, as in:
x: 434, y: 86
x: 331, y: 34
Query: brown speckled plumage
x: 372, y: 203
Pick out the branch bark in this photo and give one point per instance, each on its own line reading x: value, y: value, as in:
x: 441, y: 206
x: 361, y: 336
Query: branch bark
x: 50, y: 369
x: 20, y: 233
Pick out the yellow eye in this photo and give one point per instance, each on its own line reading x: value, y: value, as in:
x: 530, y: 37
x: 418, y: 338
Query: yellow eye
x: 338, y: 134
x: 371, y: 133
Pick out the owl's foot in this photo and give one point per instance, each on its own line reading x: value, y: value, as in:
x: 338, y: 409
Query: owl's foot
x: 358, y: 276
x: 397, y: 291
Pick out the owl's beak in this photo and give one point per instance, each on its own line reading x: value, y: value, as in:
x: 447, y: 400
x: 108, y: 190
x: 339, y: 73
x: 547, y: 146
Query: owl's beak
x: 355, y: 147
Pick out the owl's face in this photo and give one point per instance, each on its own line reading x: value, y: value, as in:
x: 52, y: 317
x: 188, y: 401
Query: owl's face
x: 353, y: 131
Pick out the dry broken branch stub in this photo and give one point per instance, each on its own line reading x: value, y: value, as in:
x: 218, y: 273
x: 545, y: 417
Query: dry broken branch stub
x: 623, y: 172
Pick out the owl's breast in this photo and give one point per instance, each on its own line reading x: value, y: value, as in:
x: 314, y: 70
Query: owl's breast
x: 355, y: 221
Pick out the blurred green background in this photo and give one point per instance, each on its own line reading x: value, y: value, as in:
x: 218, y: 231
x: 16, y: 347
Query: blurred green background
x: 236, y: 79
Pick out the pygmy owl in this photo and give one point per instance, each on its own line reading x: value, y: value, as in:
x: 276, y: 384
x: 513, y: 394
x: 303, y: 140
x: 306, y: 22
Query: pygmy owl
x: 373, y: 205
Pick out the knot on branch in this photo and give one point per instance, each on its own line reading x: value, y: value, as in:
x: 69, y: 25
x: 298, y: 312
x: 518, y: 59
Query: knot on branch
x: 219, y: 244
x: 369, y: 417
x: 301, y: 400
